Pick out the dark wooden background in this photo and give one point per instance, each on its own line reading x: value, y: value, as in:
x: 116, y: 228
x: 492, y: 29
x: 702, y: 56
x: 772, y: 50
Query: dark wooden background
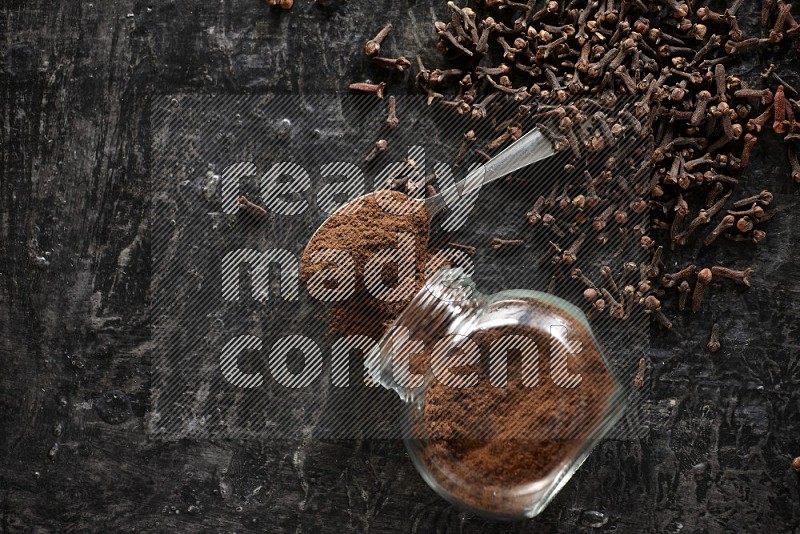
x: 76, y: 80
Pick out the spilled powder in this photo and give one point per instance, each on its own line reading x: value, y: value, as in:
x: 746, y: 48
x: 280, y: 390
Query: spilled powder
x: 363, y: 230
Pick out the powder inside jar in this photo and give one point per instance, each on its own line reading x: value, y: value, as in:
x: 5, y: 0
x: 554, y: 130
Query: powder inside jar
x: 371, y: 225
x: 486, y: 437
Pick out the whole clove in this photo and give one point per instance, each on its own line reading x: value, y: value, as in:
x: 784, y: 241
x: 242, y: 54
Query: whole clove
x: 713, y: 342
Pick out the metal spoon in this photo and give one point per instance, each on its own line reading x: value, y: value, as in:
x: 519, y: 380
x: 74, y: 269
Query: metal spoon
x: 528, y: 149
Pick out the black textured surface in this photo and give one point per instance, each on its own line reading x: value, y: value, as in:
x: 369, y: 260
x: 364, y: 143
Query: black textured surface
x: 75, y: 86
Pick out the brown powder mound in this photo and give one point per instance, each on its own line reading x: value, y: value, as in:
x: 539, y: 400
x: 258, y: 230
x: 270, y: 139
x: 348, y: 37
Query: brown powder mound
x: 364, y: 230
x: 361, y: 316
x: 510, y: 436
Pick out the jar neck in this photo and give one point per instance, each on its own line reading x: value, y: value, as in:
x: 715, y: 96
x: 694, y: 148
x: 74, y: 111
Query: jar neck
x: 447, y: 303
x: 448, y: 300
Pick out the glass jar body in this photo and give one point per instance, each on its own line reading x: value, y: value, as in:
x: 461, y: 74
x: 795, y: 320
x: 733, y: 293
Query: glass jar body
x: 515, y: 394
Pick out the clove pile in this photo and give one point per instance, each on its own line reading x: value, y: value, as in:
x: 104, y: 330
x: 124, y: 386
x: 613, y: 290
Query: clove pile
x: 676, y: 60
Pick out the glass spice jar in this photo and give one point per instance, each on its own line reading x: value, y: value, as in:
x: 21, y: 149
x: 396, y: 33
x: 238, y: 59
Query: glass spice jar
x: 506, y: 394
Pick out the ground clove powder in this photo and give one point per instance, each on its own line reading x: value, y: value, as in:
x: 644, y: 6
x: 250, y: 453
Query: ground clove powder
x: 363, y: 230
x: 486, y: 437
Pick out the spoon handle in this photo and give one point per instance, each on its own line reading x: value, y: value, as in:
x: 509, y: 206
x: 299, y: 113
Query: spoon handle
x: 530, y: 148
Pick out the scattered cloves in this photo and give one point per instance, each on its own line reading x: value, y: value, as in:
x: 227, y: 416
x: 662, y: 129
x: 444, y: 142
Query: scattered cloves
x: 742, y: 276
x: 391, y: 114
x: 713, y: 341
x: 246, y: 204
x: 373, y: 46
x: 379, y: 146
x: 638, y: 380
x: 726, y: 222
x: 373, y: 88
x: 499, y: 244
x: 703, y: 279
